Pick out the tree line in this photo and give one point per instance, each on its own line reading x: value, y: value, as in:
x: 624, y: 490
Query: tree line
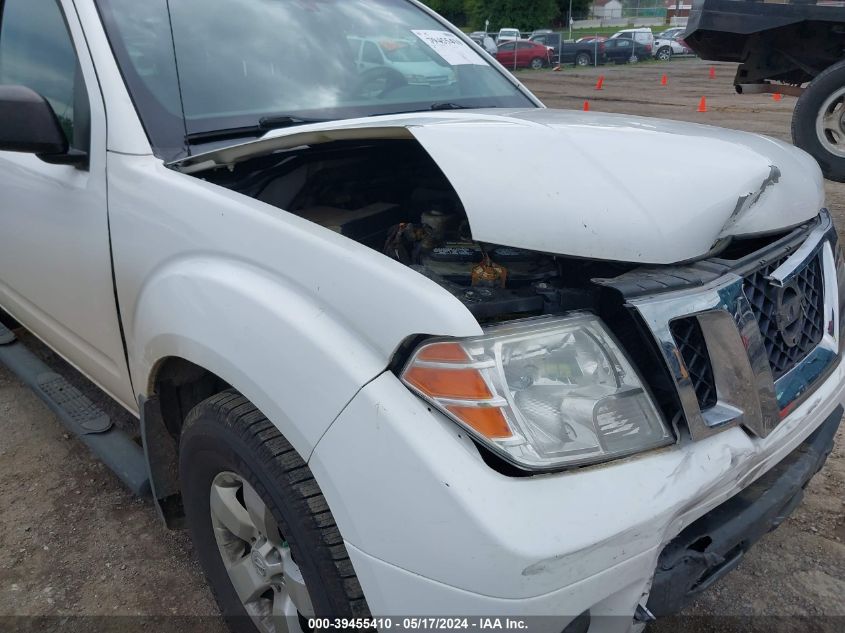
x: 525, y: 15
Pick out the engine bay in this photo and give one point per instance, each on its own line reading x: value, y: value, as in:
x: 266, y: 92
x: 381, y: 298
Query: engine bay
x: 390, y: 196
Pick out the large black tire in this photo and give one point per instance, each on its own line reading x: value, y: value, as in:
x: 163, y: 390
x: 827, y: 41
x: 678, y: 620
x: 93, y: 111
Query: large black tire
x: 804, y: 130
x: 226, y: 433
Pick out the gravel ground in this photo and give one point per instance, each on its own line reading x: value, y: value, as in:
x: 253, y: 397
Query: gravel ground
x: 73, y: 542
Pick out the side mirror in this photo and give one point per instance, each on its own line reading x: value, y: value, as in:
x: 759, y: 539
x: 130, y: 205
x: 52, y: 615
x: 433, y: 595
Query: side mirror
x: 28, y: 124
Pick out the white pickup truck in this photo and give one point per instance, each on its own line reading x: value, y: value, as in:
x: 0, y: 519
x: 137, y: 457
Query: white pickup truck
x: 402, y: 348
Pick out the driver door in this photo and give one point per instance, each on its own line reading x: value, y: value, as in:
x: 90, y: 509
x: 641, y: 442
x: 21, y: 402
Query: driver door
x: 55, y: 258
x: 507, y: 54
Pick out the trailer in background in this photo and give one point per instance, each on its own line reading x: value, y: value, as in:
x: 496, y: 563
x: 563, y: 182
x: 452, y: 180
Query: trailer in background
x: 796, y: 49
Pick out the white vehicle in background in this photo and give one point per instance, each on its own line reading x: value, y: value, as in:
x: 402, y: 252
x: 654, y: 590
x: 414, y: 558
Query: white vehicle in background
x: 667, y: 47
x: 407, y: 58
x: 508, y: 35
x: 642, y: 35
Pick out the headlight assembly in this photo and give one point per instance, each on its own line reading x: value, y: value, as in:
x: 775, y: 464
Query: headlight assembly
x: 543, y: 393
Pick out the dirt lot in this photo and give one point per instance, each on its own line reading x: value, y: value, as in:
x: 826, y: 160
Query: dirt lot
x: 74, y: 542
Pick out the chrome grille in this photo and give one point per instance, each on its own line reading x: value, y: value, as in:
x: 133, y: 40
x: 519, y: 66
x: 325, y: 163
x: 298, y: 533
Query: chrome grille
x: 765, y: 338
x: 690, y: 339
x: 762, y: 296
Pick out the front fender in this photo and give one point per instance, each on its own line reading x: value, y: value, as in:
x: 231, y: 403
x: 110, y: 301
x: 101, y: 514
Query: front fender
x: 293, y: 315
x: 294, y: 358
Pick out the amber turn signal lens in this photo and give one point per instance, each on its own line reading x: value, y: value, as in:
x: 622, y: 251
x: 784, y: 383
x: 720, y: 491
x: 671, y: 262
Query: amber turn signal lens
x: 464, y: 384
x: 489, y: 421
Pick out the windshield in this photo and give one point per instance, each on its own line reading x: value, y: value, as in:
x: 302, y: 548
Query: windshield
x: 198, y: 67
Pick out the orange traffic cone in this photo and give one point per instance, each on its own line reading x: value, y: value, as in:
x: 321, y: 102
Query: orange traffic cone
x: 600, y: 82
x: 702, y: 105
x: 586, y: 106
x: 777, y: 96
x: 712, y: 72
x: 664, y: 80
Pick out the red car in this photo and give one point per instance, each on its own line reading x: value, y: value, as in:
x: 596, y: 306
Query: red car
x: 590, y: 38
x: 524, y: 54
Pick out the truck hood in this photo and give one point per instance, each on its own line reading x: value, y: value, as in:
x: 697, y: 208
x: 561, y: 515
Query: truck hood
x: 593, y: 185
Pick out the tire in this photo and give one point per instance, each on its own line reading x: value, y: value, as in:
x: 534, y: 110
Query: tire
x: 825, y: 94
x: 583, y: 59
x: 633, y: 59
x: 537, y: 63
x: 664, y: 53
x: 231, y: 461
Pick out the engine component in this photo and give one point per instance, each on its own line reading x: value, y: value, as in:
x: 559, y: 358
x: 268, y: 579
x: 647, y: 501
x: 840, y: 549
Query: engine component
x: 363, y: 225
x: 456, y: 262
x: 489, y: 273
x: 487, y: 303
x: 439, y: 222
x: 406, y: 242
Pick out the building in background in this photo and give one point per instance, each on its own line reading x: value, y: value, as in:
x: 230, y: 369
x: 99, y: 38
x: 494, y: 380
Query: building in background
x: 607, y: 9
x: 676, y: 9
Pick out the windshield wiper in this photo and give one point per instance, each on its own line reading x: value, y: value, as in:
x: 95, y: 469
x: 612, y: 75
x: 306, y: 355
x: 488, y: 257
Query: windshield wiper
x: 446, y: 105
x: 451, y: 106
x: 278, y: 121
x: 266, y: 123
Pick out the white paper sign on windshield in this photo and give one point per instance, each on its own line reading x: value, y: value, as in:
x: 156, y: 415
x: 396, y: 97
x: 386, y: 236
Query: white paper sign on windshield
x: 450, y: 47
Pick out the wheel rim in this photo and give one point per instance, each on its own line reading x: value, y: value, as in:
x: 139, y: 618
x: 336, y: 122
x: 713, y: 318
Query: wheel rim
x: 537, y: 64
x: 663, y: 55
x: 582, y: 60
x: 256, y: 556
x: 830, y: 123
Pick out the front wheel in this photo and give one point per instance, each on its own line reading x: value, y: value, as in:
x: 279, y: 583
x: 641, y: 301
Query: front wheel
x: 664, y: 54
x: 263, y: 532
x: 818, y: 122
x: 583, y: 59
x: 537, y: 63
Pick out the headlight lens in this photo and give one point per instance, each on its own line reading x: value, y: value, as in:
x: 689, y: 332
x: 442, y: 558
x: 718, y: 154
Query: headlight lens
x: 544, y: 393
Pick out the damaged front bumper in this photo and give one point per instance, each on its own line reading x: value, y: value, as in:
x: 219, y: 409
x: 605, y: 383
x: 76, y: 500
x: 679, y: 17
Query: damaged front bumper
x: 433, y: 530
x: 715, y: 544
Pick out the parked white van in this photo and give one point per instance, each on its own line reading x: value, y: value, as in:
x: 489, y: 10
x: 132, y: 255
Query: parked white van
x: 641, y: 35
